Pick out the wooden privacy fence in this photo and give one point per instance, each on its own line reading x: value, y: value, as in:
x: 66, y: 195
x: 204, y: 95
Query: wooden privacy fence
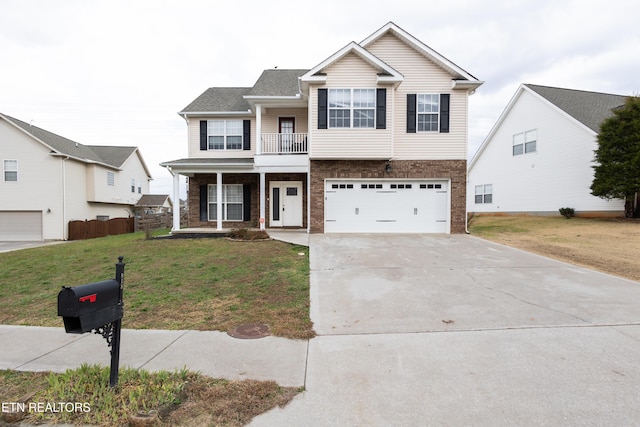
x: 81, y: 230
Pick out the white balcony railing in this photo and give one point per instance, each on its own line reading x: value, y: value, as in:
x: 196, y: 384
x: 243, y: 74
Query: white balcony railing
x: 284, y: 143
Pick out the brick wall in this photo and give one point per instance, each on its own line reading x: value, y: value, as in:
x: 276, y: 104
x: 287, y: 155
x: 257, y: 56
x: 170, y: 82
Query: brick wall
x: 455, y: 170
x: 252, y: 179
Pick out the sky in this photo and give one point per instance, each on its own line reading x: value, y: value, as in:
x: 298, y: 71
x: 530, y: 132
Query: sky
x: 116, y: 72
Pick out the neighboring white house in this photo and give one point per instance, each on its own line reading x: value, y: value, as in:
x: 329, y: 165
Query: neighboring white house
x: 539, y: 155
x: 48, y: 180
x: 371, y: 139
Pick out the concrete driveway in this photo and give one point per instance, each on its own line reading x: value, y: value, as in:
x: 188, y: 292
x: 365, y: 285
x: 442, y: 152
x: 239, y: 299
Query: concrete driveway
x: 454, y: 330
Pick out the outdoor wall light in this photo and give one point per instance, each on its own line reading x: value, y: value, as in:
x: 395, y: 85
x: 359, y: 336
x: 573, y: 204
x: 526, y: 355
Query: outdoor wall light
x: 387, y: 168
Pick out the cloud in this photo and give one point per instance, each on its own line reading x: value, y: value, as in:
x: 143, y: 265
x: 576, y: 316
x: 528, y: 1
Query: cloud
x: 117, y: 71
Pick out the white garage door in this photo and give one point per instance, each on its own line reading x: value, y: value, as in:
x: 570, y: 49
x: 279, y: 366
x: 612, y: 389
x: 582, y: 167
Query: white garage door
x: 20, y: 225
x: 385, y: 206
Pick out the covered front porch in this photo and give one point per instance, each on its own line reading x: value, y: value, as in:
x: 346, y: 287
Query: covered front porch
x: 224, y: 194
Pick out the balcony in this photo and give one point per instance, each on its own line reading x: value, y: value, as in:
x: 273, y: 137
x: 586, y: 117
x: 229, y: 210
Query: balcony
x: 284, y: 143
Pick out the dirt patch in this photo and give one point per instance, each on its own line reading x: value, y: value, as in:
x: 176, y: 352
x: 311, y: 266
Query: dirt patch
x: 608, y: 245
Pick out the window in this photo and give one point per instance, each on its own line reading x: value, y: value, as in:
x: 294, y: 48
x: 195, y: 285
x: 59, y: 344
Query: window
x: 139, y: 187
x: 428, y: 112
x: 232, y: 202
x: 525, y: 142
x: 11, y: 170
x: 352, y: 108
x: 484, y: 193
x: 133, y: 185
x: 111, y: 179
x: 224, y: 134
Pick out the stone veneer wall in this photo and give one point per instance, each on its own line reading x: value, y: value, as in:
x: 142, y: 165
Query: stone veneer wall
x: 455, y: 170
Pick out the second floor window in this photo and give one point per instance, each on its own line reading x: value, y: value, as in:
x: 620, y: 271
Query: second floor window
x: 428, y: 112
x: 525, y: 142
x: 111, y: 179
x: 133, y: 185
x: 224, y: 134
x: 352, y: 108
x: 11, y: 170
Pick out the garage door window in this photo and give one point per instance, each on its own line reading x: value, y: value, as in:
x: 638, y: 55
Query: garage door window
x: 11, y: 170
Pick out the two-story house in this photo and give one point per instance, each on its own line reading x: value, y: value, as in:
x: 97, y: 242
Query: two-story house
x: 539, y: 156
x: 372, y: 139
x: 49, y: 180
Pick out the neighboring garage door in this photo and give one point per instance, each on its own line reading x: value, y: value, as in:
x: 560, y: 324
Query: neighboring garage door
x: 20, y: 225
x: 385, y: 206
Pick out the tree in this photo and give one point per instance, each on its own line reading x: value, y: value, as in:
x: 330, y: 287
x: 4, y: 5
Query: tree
x: 617, y: 169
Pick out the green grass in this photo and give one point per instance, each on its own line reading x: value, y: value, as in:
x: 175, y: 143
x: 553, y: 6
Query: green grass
x: 203, y: 284
x: 178, y: 398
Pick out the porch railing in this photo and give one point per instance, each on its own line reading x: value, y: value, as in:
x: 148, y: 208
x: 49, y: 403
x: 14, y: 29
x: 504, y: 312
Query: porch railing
x: 284, y: 143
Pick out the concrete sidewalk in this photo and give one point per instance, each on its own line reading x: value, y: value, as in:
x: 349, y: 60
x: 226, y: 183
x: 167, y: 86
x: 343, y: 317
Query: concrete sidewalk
x: 215, y: 354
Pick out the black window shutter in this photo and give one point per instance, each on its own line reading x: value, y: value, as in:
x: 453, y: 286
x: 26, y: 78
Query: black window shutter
x: 411, y: 112
x: 381, y: 108
x: 203, y: 135
x: 204, y: 201
x: 246, y: 202
x: 246, y: 134
x: 322, y: 108
x: 444, y: 112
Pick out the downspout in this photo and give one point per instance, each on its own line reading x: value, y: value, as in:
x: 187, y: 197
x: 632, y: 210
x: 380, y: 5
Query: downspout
x: 65, y: 235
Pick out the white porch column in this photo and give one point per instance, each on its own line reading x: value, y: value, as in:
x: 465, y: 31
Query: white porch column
x: 219, y: 201
x: 263, y: 196
x: 176, y: 201
x: 259, y: 129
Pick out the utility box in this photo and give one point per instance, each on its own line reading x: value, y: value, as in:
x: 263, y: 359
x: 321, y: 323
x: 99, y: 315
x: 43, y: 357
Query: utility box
x: 87, y: 307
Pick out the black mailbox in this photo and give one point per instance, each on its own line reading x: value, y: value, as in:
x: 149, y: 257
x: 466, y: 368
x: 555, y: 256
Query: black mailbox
x: 87, y: 307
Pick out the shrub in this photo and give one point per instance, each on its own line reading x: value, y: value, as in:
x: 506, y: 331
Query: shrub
x: 246, y: 234
x: 567, y: 212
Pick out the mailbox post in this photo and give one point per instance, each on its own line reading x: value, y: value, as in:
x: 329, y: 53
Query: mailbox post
x: 96, y: 306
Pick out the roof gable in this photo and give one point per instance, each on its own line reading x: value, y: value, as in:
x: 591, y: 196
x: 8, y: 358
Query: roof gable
x: 588, y: 109
x: 457, y: 73
x: 386, y: 73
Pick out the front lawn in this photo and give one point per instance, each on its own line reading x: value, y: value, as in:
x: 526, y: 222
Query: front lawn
x: 610, y: 245
x: 203, y: 284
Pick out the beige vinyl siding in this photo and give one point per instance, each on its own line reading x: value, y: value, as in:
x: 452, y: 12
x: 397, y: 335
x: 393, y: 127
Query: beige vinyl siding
x: 347, y: 73
x: 270, y: 119
x: 422, y: 76
x: 194, y: 140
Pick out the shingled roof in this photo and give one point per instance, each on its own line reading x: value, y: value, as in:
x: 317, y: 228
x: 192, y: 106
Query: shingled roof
x: 589, y: 108
x: 219, y: 99
x: 277, y: 83
x: 113, y: 156
x: 152, y: 200
x: 231, y: 99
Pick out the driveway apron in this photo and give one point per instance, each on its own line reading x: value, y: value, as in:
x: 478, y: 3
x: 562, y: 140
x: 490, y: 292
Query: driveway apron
x: 455, y: 330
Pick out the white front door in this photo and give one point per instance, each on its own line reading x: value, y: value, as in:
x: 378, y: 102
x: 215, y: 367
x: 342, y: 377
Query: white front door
x: 285, y: 204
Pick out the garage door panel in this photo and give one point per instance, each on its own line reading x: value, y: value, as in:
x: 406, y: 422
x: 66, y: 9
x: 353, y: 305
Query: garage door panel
x: 20, y: 225
x: 386, y: 207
